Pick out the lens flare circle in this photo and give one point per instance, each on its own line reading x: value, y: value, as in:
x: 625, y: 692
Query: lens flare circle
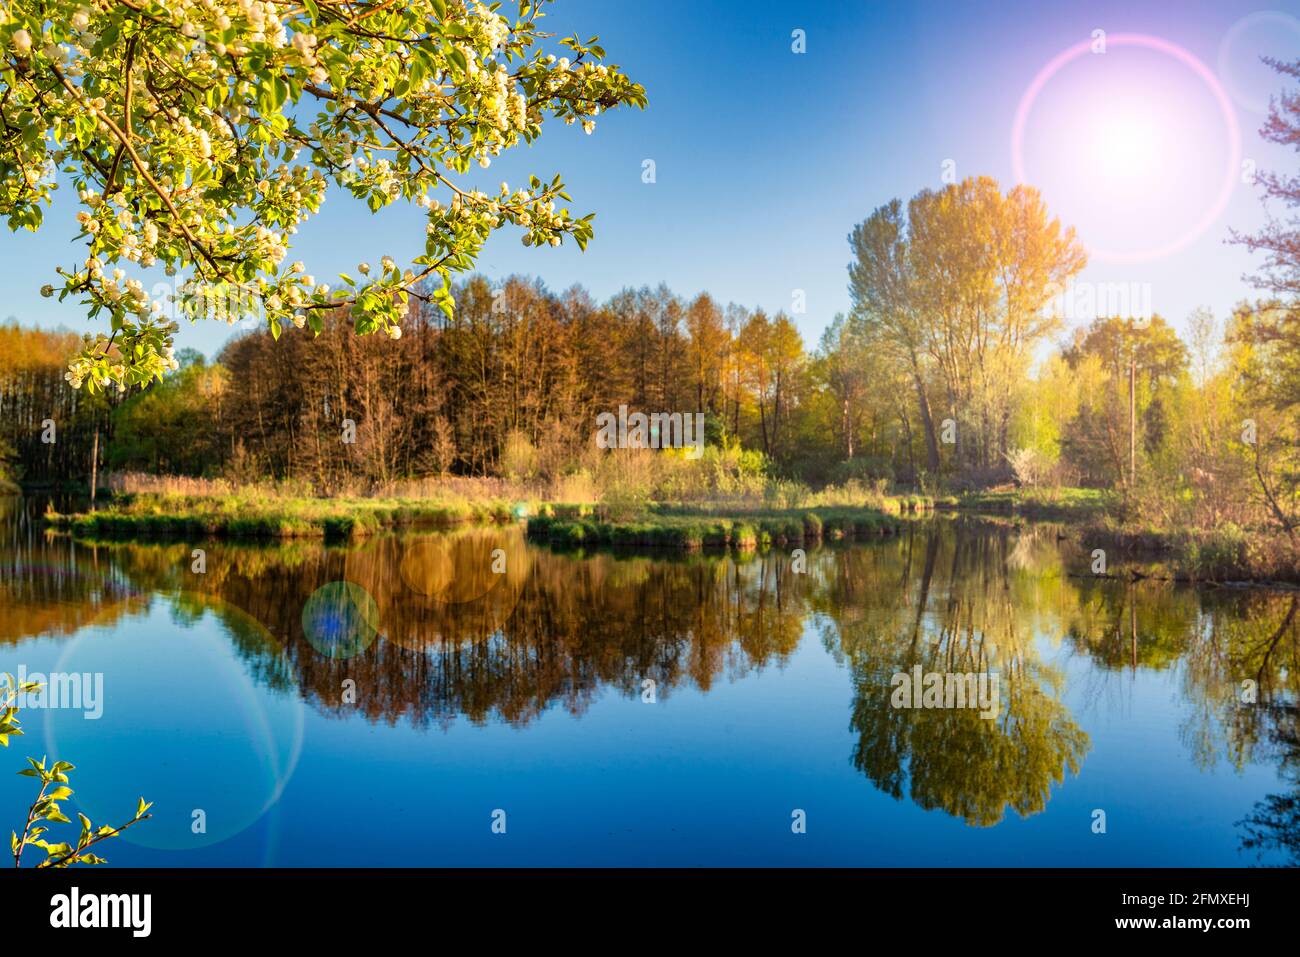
x: 1283, y: 22
x: 183, y: 724
x: 340, y: 620
x: 456, y: 587
x: 1160, y: 45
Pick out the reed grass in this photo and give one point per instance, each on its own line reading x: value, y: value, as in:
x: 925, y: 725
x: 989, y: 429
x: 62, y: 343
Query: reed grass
x: 245, y: 515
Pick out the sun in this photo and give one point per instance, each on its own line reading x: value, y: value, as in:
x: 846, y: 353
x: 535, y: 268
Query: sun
x: 1137, y: 145
x: 1127, y: 146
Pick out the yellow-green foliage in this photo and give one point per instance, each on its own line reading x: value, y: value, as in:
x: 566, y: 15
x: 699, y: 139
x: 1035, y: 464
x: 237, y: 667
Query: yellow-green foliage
x: 256, y: 515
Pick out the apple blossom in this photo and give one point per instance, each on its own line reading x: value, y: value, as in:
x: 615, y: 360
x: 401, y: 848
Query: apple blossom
x: 199, y: 135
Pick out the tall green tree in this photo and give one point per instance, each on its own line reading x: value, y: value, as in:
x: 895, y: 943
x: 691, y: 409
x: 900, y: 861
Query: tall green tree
x: 1140, y: 362
x: 957, y: 290
x: 882, y: 289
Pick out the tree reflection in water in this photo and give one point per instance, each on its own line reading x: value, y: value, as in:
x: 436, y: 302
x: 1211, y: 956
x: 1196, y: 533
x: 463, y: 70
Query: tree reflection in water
x: 479, y: 624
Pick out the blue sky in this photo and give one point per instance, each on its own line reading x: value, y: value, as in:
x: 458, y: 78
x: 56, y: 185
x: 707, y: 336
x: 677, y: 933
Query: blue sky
x: 765, y: 159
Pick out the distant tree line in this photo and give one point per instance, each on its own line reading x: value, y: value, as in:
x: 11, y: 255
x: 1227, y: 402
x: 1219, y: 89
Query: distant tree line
x: 512, y: 384
x: 943, y: 375
x: 517, y: 365
x: 48, y: 431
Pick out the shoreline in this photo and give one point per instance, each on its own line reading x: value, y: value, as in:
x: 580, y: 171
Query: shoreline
x: 734, y: 528
x: 1223, y: 556
x: 1215, y: 556
x: 232, y: 518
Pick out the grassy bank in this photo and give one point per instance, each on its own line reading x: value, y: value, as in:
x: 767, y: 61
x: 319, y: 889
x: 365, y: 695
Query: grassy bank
x: 242, y: 516
x: 1094, y: 520
x: 1102, y: 519
x: 693, y: 528
x: 1060, y: 504
x: 1224, y: 554
x: 280, y: 513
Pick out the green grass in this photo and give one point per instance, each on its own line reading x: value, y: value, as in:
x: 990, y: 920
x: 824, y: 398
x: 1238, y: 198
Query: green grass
x: 1224, y: 554
x: 694, y: 528
x: 1064, y: 503
x: 248, y: 516
x: 269, y: 517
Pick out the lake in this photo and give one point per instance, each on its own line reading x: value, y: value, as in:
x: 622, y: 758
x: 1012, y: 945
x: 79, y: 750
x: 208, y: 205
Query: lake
x: 468, y: 698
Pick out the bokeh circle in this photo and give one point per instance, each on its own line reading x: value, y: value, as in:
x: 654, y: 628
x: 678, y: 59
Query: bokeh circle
x: 1279, y: 28
x: 453, y: 587
x: 340, y: 620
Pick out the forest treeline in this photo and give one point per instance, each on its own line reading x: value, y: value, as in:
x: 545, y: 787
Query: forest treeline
x: 954, y: 369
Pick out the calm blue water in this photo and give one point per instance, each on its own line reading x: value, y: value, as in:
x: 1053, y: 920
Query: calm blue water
x: 772, y: 695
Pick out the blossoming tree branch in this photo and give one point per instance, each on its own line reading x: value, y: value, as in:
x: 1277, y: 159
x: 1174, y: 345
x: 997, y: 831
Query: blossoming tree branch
x: 199, y: 136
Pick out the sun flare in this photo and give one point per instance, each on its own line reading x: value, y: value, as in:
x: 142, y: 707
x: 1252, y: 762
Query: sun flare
x: 1138, y: 145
